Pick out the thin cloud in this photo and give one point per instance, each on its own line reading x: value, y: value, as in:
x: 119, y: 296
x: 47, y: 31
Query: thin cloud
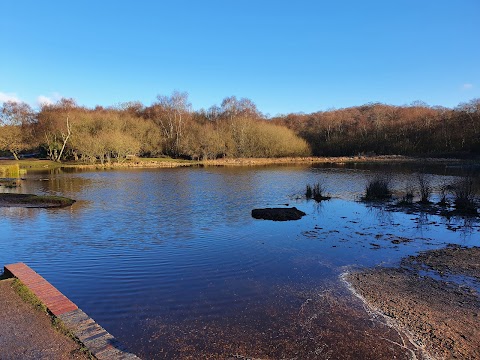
x: 467, y: 86
x: 4, y: 97
x: 44, y: 100
x: 48, y: 100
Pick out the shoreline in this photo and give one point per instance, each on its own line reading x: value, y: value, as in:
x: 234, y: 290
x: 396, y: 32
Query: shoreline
x: 330, y: 160
x: 376, y: 314
x: 85, y: 331
x: 438, y: 316
x: 38, y: 164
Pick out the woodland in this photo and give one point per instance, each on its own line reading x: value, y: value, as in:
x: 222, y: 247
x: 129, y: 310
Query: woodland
x: 66, y: 131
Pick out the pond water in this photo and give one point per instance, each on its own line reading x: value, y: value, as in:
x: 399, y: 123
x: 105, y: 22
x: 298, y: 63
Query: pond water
x: 171, y: 262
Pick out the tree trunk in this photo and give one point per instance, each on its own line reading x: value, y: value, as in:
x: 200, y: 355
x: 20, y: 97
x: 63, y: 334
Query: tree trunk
x: 65, y: 138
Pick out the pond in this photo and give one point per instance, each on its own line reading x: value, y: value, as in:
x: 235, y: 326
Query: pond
x: 171, y: 262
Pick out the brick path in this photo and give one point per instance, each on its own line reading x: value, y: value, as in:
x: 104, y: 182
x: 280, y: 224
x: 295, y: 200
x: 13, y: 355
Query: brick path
x: 100, y: 343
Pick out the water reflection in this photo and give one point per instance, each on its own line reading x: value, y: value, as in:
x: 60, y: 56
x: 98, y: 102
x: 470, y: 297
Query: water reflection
x: 172, y: 263
x: 381, y: 213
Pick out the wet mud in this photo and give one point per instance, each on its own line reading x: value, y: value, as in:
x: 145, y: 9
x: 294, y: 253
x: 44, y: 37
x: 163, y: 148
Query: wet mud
x: 438, y: 312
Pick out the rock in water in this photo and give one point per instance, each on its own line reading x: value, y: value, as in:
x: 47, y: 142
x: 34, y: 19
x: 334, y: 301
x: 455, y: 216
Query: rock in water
x: 278, y: 214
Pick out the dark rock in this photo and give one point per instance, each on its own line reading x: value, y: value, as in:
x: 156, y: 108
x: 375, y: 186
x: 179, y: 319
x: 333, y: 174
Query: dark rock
x: 278, y: 214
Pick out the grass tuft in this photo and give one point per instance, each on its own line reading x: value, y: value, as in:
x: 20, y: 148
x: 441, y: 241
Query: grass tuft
x: 425, y: 188
x: 378, y: 188
x: 464, y: 195
x: 407, y: 198
x: 28, y: 296
x: 317, y: 192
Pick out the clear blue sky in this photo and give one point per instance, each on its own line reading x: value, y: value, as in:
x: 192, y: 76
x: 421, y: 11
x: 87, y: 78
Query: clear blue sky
x: 287, y: 56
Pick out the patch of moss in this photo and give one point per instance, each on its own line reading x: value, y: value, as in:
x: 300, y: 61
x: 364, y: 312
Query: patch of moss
x: 28, y: 296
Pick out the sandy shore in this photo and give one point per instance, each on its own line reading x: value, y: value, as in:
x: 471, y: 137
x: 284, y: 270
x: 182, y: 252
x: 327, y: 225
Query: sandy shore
x: 441, y: 317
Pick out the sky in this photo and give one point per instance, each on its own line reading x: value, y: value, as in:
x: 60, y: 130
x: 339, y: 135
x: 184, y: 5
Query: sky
x: 286, y: 56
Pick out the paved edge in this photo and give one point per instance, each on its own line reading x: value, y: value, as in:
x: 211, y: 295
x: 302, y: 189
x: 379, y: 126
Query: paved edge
x: 94, y: 337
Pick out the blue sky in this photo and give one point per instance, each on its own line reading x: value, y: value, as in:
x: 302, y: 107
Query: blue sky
x: 286, y: 56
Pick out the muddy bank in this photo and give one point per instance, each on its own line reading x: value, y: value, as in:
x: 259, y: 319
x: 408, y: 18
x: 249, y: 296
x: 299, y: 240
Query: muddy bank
x: 440, y: 317
x: 170, y: 163
x: 454, y: 259
x: 34, y: 201
x: 326, y: 160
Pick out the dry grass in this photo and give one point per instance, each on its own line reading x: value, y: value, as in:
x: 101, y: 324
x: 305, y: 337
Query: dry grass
x: 32, y: 164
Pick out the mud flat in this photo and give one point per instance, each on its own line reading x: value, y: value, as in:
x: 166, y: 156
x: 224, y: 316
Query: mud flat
x: 432, y: 297
x: 34, y: 201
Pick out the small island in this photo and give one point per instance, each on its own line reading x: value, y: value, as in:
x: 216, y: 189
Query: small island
x: 34, y: 201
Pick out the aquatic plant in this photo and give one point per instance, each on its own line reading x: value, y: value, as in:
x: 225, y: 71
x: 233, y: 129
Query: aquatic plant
x: 309, y: 192
x: 378, y: 188
x: 464, y: 195
x: 444, y: 191
x: 407, y: 198
x: 425, y: 188
x: 317, y: 192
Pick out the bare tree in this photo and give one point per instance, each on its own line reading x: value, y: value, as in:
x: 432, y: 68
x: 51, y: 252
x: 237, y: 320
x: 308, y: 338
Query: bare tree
x: 172, y: 114
x: 16, y: 127
x: 56, y: 125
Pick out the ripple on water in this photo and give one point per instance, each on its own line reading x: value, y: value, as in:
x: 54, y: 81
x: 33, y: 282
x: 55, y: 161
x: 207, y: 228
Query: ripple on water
x: 171, y: 259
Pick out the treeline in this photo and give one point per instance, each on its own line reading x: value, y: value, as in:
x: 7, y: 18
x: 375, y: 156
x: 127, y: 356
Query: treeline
x: 417, y: 129
x: 168, y: 127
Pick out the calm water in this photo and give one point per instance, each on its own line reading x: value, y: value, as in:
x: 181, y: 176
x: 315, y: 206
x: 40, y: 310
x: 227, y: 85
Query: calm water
x: 171, y: 262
